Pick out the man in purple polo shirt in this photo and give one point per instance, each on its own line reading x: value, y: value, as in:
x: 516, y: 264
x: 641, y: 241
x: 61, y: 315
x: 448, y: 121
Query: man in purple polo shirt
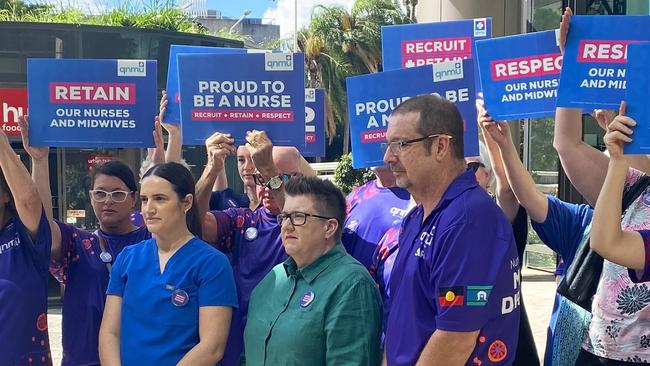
x: 372, y: 209
x: 250, y: 238
x: 455, y: 282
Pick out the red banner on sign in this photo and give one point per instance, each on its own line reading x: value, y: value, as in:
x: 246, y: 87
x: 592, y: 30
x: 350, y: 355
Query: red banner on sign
x: 13, y: 103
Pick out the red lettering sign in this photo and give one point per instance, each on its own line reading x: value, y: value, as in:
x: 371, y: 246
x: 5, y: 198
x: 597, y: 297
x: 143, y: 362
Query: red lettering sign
x: 95, y: 160
x: 242, y: 115
x: 92, y: 93
x: 524, y: 67
x: 373, y: 136
x: 13, y: 103
x: 604, y: 51
x: 420, y: 52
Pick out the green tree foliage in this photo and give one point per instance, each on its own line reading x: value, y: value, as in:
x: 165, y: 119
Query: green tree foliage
x: 339, y: 43
x: 347, y: 178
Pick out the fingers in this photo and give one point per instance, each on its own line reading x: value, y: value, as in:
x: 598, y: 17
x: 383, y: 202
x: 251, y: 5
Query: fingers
x: 622, y: 108
x: 564, y: 28
x: 622, y: 124
x: 616, y: 136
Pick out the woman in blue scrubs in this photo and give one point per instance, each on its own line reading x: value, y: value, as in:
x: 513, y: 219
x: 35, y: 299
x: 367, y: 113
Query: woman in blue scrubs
x: 170, y: 298
x: 25, y: 241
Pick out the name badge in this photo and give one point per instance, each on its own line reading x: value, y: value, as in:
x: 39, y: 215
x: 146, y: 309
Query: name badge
x: 106, y: 257
x: 250, y: 234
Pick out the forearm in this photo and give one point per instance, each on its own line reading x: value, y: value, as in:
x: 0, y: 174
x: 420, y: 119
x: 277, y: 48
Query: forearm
x: 606, y: 230
x: 585, y: 165
x: 25, y: 195
x: 109, y: 349
x: 221, y: 182
x: 204, y: 188
x: 174, y: 151
x: 41, y: 178
x: 523, y: 186
x: 202, y: 354
x: 506, y: 199
x: 443, y: 349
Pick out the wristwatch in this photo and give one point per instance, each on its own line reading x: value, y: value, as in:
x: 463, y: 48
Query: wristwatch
x: 276, y: 182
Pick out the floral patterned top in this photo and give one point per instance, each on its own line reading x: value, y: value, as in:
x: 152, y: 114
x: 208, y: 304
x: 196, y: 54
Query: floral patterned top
x: 620, y: 324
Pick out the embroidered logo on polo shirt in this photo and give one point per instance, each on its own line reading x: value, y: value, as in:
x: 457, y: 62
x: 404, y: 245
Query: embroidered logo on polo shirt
x: 477, y: 295
x: 451, y: 296
x: 497, y: 351
x: 307, y: 299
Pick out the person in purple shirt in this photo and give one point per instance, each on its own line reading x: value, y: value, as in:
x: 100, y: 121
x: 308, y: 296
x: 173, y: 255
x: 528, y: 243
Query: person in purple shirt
x: 372, y: 209
x: 250, y: 238
x: 455, y: 282
x: 25, y: 240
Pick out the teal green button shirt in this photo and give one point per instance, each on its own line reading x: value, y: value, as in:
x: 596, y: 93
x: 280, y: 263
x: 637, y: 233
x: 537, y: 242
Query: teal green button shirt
x: 327, y: 313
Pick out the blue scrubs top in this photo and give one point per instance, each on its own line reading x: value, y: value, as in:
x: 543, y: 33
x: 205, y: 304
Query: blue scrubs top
x: 160, y: 311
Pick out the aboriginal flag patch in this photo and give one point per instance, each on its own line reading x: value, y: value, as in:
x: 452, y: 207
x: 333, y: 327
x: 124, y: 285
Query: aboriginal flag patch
x: 451, y: 296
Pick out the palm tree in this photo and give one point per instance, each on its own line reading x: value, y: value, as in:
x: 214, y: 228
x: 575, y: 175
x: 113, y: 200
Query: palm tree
x: 410, y: 9
x: 339, y: 44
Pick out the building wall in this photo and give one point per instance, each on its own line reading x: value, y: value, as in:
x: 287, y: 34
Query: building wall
x: 259, y: 32
x: 506, y: 14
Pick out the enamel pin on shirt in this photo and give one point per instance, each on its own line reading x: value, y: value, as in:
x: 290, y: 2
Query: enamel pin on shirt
x: 250, y: 234
x: 307, y: 299
x: 106, y: 257
x: 180, y: 297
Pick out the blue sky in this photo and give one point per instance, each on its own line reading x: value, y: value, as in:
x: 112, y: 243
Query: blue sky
x: 235, y: 8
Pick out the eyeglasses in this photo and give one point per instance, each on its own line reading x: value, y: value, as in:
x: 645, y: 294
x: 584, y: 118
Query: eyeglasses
x: 474, y: 165
x: 396, y: 147
x: 99, y: 195
x: 298, y: 218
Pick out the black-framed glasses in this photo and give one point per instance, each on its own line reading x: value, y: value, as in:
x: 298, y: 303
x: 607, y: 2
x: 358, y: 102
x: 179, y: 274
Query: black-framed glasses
x: 396, y: 147
x: 298, y: 218
x: 474, y: 165
x: 100, y: 195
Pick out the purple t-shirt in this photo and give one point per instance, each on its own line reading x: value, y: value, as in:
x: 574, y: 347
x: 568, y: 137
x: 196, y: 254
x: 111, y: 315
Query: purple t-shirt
x: 86, y: 278
x: 456, y: 270
x: 252, y: 242
x: 371, y: 211
x: 383, y: 261
x: 23, y: 294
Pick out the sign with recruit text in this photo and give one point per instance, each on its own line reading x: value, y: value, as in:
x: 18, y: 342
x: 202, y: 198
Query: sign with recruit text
x: 172, y: 114
x: 411, y: 45
x: 520, y: 75
x: 314, y: 123
x: 370, y: 103
x: 595, y: 60
x: 637, y: 96
x: 91, y: 103
x: 13, y: 104
x: 235, y: 93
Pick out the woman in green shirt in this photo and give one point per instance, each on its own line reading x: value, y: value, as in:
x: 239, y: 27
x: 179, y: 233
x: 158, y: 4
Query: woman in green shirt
x: 319, y: 307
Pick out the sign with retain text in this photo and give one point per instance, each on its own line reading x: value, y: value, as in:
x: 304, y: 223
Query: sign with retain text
x: 370, y: 103
x: 91, y: 103
x: 520, y: 74
x: 235, y: 93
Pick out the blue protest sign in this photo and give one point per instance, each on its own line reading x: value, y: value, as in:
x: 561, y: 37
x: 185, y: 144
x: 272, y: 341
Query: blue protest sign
x: 411, y: 45
x: 370, y: 103
x: 172, y: 114
x: 314, y: 123
x: 235, y: 93
x: 637, y: 96
x: 520, y: 75
x: 595, y: 59
x: 91, y: 103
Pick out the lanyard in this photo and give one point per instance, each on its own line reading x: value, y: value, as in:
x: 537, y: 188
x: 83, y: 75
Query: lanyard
x: 105, y: 256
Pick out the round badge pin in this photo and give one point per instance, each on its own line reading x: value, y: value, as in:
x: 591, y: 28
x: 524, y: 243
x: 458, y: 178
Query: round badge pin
x: 180, y: 297
x: 106, y: 257
x: 250, y: 234
x: 307, y: 299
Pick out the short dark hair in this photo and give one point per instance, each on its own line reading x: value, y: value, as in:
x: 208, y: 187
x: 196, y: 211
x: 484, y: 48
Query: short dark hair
x: 328, y: 199
x: 183, y: 184
x: 437, y: 115
x: 117, y: 169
